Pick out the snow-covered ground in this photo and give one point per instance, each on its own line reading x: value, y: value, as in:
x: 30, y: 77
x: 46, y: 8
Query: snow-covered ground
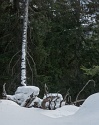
x: 87, y: 114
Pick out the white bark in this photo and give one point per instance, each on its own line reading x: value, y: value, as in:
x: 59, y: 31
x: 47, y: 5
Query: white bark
x: 24, y: 44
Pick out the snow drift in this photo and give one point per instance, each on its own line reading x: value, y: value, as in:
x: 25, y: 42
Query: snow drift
x: 87, y: 114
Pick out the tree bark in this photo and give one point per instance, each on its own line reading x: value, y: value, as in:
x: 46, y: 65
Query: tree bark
x: 24, y: 43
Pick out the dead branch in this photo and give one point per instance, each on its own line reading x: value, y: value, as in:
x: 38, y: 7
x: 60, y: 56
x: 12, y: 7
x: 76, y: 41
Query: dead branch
x: 29, y: 101
x: 33, y: 62
x: 67, y: 98
x: 4, y: 94
x: 55, y: 101
x: 46, y: 89
x: 13, y: 58
x: 89, y: 81
x: 49, y: 100
x: 67, y: 93
x: 81, y: 100
x: 15, y: 65
x: 8, y: 44
x: 12, y: 81
x: 43, y: 104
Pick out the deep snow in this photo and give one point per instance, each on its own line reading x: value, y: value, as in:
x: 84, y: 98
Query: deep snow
x: 87, y: 114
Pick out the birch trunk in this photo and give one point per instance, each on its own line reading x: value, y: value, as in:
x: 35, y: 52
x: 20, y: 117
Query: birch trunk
x: 24, y: 44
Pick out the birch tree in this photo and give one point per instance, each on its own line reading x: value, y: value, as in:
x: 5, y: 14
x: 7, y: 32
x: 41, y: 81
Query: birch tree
x: 24, y: 43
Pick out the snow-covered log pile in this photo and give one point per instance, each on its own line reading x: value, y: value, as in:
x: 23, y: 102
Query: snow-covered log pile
x: 52, y: 101
x: 26, y: 96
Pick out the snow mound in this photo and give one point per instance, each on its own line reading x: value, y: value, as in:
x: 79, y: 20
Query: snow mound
x: 28, y: 90
x: 7, y: 102
x: 90, y: 105
x: 60, y: 112
x: 87, y: 114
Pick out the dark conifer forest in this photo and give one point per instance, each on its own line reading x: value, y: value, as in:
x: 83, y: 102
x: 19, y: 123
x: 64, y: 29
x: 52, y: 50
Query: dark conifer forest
x: 62, y: 45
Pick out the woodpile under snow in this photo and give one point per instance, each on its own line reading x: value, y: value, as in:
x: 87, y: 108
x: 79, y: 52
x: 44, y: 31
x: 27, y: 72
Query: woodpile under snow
x: 27, y: 96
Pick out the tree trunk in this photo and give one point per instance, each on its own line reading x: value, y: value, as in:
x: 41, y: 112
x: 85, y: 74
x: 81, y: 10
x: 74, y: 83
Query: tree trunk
x: 24, y: 43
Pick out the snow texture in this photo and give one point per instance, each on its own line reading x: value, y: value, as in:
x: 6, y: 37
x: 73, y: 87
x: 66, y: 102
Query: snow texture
x: 28, y: 90
x: 87, y: 114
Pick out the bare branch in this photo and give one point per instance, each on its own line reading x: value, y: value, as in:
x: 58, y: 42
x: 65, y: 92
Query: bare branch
x: 5, y: 36
x: 43, y: 104
x: 4, y: 94
x: 81, y: 100
x: 29, y: 101
x: 12, y: 81
x: 8, y: 44
x: 67, y: 93
x: 46, y: 89
x: 15, y: 65
x: 89, y: 81
x: 55, y: 101
x: 67, y: 98
x: 13, y: 58
x: 33, y: 62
